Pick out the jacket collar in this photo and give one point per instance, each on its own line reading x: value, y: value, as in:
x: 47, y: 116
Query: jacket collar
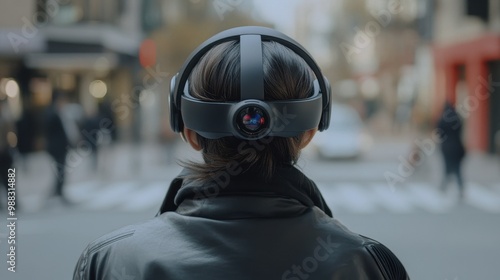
x: 191, y: 197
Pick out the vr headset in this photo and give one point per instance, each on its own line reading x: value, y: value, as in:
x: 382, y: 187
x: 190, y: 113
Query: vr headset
x: 250, y: 118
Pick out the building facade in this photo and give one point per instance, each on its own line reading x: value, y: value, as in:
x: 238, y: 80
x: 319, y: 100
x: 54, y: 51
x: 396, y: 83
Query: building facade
x: 466, y: 50
x: 88, y: 49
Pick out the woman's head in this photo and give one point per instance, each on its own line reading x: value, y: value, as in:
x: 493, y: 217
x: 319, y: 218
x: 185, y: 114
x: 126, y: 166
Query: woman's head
x: 217, y: 78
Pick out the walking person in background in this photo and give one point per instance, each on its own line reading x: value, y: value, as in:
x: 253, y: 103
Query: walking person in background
x: 26, y: 134
x: 58, y: 142
x: 452, y: 147
x: 6, y: 150
x: 90, y: 126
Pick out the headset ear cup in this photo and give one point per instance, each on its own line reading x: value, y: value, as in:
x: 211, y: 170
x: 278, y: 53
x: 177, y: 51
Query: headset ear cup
x: 325, y: 120
x: 174, y: 119
x: 175, y: 114
x: 327, y: 110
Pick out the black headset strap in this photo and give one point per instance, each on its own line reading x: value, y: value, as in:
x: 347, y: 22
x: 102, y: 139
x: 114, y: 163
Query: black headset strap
x: 251, y: 69
x: 235, y: 34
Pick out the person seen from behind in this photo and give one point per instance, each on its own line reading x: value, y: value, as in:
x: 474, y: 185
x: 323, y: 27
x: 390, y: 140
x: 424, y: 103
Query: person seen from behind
x: 253, y: 100
x: 7, y: 131
x: 58, y: 142
x: 452, y: 148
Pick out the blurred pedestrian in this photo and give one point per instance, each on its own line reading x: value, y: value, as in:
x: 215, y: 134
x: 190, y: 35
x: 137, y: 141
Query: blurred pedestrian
x: 26, y: 134
x: 93, y: 137
x: 106, y: 113
x: 6, y: 150
x: 245, y: 212
x: 58, y: 140
x: 452, y: 147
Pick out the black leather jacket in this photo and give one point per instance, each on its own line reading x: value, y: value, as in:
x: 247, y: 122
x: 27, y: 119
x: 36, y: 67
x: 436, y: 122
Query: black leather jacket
x: 240, y: 228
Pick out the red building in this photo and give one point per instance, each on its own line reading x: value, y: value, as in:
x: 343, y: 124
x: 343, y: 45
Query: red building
x: 466, y: 54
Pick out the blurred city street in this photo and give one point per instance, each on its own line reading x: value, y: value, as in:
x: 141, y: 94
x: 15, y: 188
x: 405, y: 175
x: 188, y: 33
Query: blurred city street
x: 414, y: 218
x: 84, y: 84
x: 134, y: 178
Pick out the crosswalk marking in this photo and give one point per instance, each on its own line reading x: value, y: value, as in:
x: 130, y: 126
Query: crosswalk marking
x: 145, y: 197
x: 110, y: 195
x: 347, y: 195
x: 340, y: 196
x: 392, y: 199
x: 82, y: 191
x: 429, y: 198
x: 482, y: 198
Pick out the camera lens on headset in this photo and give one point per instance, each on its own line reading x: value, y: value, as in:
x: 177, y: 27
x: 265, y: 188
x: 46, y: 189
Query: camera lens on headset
x: 252, y: 121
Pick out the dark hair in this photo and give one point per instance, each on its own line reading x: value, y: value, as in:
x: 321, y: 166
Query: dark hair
x: 217, y: 78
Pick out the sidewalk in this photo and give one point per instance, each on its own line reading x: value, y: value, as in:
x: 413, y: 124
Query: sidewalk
x: 482, y: 168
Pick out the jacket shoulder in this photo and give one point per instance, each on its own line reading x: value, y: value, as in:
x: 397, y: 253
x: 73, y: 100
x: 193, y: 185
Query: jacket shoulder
x: 110, y: 239
x: 366, y: 257
x: 95, y: 255
x: 387, y: 262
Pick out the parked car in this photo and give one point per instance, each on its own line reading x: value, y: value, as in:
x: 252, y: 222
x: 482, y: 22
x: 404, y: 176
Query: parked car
x: 345, y: 138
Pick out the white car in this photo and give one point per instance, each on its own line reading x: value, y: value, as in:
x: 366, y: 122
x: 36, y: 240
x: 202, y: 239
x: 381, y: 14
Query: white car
x: 345, y: 138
